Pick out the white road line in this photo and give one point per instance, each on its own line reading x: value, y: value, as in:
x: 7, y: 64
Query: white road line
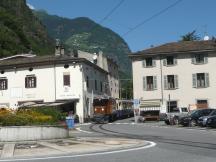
x: 151, y: 144
x: 83, y: 130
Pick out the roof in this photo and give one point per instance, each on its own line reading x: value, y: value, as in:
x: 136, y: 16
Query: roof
x: 178, y: 47
x: 44, y: 60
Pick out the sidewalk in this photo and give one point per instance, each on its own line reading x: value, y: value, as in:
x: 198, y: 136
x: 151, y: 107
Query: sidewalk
x: 65, y: 146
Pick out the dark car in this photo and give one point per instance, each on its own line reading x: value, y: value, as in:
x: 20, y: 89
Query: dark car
x: 203, y: 119
x: 192, y: 118
x: 211, y: 122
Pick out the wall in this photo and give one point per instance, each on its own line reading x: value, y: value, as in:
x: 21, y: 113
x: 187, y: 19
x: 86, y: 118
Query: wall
x: 185, y: 94
x: 26, y: 133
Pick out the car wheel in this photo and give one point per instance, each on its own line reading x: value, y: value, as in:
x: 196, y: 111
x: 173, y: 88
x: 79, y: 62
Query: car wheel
x: 193, y: 123
x: 176, y: 120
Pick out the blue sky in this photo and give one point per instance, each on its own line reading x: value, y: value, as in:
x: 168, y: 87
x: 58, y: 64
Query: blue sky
x: 186, y: 16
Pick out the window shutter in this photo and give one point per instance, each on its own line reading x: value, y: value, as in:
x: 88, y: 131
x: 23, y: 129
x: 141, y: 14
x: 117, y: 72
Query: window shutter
x: 175, y: 60
x: 144, y: 84
x: 194, y: 80
x: 165, y: 62
x: 144, y: 63
x: 165, y: 82
x: 205, y: 59
x: 176, y: 81
x: 206, y: 79
x: 35, y: 84
x: 193, y: 59
x: 153, y: 62
x: 155, y: 82
x: 26, y: 82
x: 6, y: 84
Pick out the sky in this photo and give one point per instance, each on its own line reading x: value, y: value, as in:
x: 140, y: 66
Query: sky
x: 169, y: 26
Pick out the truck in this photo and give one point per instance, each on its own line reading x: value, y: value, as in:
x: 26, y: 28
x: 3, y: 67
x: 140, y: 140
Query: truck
x: 172, y: 118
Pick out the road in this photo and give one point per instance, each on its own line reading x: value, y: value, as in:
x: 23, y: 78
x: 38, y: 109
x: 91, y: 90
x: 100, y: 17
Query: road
x: 173, y: 144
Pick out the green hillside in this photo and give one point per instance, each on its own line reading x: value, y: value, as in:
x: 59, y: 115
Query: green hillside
x: 21, y: 31
x: 84, y: 34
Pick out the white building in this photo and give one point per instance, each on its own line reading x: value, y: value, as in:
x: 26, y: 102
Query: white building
x: 179, y: 74
x: 52, y: 80
x: 106, y: 63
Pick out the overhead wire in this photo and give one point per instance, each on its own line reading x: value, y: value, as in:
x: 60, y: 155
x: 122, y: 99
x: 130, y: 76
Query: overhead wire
x: 152, y: 17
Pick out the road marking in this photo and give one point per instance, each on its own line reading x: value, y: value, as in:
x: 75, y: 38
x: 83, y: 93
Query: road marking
x: 151, y: 144
x: 83, y: 130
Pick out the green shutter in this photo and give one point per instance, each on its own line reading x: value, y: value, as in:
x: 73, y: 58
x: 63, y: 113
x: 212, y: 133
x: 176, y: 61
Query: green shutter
x: 144, y: 63
x: 176, y: 81
x: 193, y: 59
x: 153, y: 62
x: 155, y: 82
x: 144, y: 84
x: 194, y: 80
x: 175, y: 60
x: 165, y: 82
x: 206, y: 79
x: 205, y: 58
x: 165, y: 62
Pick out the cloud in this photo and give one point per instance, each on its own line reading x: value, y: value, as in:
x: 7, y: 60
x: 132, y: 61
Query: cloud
x: 30, y: 6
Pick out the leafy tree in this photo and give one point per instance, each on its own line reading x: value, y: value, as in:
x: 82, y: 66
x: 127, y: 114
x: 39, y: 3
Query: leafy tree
x: 190, y: 36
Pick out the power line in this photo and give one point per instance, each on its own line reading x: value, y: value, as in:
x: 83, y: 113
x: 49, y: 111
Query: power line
x: 111, y: 11
x: 152, y: 17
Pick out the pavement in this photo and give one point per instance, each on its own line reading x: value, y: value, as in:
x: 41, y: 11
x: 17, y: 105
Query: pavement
x: 66, y: 146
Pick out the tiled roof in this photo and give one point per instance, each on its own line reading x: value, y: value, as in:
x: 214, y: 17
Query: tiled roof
x: 178, y: 47
x: 43, y: 60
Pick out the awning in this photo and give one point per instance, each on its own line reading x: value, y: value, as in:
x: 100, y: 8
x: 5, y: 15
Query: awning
x: 150, y: 109
x: 150, y: 103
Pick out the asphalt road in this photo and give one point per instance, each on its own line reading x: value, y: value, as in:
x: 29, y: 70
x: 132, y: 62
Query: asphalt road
x: 173, y: 144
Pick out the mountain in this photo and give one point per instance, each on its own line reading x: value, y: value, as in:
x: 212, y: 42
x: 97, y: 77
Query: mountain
x: 84, y: 34
x: 21, y: 31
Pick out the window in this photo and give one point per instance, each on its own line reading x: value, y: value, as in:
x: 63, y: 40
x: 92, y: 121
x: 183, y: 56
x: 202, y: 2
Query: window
x: 3, y: 83
x: 30, y: 81
x: 149, y: 83
x: 199, y: 59
x: 66, y: 79
x: 87, y: 81
x: 170, y: 81
x: 149, y: 80
x: 200, y: 80
x: 95, y: 84
x: 172, y: 106
x: 202, y: 102
x: 170, y: 61
x: 149, y: 62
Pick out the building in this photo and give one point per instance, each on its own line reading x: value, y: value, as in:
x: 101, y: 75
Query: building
x: 52, y: 80
x: 106, y: 63
x: 178, y: 74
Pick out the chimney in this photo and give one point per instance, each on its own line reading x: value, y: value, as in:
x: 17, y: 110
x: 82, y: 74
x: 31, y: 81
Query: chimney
x: 57, y: 48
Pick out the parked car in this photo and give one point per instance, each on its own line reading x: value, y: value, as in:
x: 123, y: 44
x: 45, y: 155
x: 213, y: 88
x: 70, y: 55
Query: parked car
x: 211, y: 122
x: 173, y: 117
x: 203, y: 119
x: 192, y: 117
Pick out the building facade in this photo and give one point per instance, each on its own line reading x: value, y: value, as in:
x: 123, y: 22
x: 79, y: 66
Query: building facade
x: 109, y: 65
x: 179, y: 74
x: 51, y: 80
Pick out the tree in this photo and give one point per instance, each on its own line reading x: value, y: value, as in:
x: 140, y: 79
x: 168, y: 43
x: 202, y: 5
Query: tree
x: 191, y: 36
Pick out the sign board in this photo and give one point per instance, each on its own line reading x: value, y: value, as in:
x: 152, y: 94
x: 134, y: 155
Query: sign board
x: 136, y: 103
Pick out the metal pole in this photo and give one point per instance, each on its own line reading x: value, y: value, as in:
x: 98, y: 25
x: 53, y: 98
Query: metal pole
x: 169, y: 104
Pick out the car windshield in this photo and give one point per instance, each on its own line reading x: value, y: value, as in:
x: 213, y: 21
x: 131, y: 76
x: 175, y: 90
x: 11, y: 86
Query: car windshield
x: 212, y: 113
x: 184, y: 109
